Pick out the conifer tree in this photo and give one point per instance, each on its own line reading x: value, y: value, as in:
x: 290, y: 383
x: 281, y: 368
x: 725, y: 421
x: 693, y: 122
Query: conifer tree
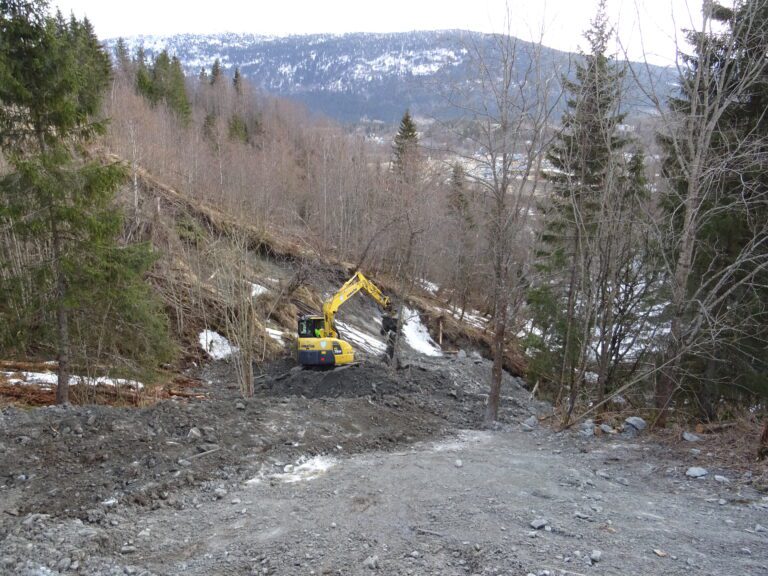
x: 122, y: 55
x: 716, y: 167
x: 55, y: 200
x: 216, y: 72
x: 405, y: 148
x: 237, y: 81
x: 578, y: 253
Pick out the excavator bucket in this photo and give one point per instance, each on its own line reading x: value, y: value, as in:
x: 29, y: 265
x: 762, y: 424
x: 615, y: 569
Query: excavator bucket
x: 388, y: 324
x: 389, y: 329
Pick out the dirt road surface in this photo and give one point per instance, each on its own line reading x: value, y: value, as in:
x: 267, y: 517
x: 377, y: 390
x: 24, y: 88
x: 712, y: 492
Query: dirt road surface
x: 369, y: 473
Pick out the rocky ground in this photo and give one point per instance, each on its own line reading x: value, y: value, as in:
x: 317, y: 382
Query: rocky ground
x: 361, y: 471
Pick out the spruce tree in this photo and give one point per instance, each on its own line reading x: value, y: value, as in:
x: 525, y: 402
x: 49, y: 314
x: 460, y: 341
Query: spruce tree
x: 586, y: 161
x: 216, y: 72
x: 727, y: 237
x: 405, y: 148
x: 53, y: 201
x: 237, y: 81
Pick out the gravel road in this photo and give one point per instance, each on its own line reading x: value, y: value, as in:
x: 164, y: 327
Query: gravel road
x: 425, y: 496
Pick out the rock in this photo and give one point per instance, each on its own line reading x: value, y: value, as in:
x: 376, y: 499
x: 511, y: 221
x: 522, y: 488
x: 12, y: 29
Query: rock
x: 127, y: 549
x: 539, y: 523
x: 637, y: 423
x: 760, y: 528
x: 63, y: 564
x: 240, y: 405
x: 581, y: 515
x: 587, y: 432
x: 461, y: 355
x: 458, y: 463
x: 220, y: 493
x: 721, y: 479
x: 607, y: 429
x: 144, y: 533
x: 415, y: 554
x: 690, y: 437
x: 696, y: 472
x: 596, y: 555
x: 372, y: 562
x: 194, y: 433
x: 531, y: 422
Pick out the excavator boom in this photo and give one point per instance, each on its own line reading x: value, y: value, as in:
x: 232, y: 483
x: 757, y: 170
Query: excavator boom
x: 350, y: 288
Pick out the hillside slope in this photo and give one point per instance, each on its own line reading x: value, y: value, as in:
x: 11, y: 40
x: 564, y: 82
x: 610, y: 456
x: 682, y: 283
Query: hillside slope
x: 351, y: 77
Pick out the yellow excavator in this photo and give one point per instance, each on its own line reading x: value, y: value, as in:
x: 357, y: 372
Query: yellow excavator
x: 318, y: 341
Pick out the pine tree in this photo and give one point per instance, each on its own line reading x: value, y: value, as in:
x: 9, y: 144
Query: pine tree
x: 176, y: 97
x: 405, y: 148
x: 216, y: 72
x: 237, y: 81
x: 122, y: 56
x: 715, y: 202
x: 463, y: 236
x: 238, y: 129
x: 143, y: 78
x: 54, y: 202
x: 575, y: 244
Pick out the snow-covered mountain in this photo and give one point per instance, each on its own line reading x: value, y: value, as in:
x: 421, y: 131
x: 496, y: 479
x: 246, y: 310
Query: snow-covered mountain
x: 347, y: 77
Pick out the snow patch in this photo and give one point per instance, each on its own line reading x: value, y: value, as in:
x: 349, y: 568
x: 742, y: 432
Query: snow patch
x: 417, y: 336
x: 303, y: 471
x: 276, y: 334
x: 360, y: 339
x: 465, y: 437
x: 258, y: 290
x: 50, y: 379
x: 216, y: 345
x: 430, y: 287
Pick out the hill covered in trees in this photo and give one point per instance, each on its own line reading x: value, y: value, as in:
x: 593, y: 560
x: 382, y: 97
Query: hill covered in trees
x: 351, y: 77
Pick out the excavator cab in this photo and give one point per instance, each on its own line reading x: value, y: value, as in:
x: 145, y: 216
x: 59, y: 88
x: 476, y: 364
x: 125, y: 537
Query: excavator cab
x: 323, y: 350
x: 308, y: 326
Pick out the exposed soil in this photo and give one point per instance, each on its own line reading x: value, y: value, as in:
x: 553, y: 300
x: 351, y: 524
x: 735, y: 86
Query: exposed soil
x: 356, y: 471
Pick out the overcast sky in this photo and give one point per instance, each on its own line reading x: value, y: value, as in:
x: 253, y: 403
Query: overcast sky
x: 644, y: 26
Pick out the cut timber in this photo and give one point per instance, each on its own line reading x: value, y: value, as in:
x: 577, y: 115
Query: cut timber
x: 714, y: 427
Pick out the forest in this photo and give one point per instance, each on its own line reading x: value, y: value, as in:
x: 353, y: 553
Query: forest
x: 617, y: 268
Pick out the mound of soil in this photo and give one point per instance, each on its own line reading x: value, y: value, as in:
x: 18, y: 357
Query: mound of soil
x: 370, y: 379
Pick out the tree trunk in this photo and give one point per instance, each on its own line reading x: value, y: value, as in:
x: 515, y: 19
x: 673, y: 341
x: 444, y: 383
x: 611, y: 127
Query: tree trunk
x: 62, y: 318
x: 494, y: 396
x: 762, y: 449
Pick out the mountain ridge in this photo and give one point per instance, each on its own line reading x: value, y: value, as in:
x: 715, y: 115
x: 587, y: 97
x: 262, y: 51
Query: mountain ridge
x: 356, y: 76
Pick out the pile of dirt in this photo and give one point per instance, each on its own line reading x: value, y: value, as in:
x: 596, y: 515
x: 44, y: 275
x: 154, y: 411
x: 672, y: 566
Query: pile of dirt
x: 68, y: 461
x: 371, y: 379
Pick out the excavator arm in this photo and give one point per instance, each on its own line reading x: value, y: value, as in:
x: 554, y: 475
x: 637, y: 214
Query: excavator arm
x: 350, y: 288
